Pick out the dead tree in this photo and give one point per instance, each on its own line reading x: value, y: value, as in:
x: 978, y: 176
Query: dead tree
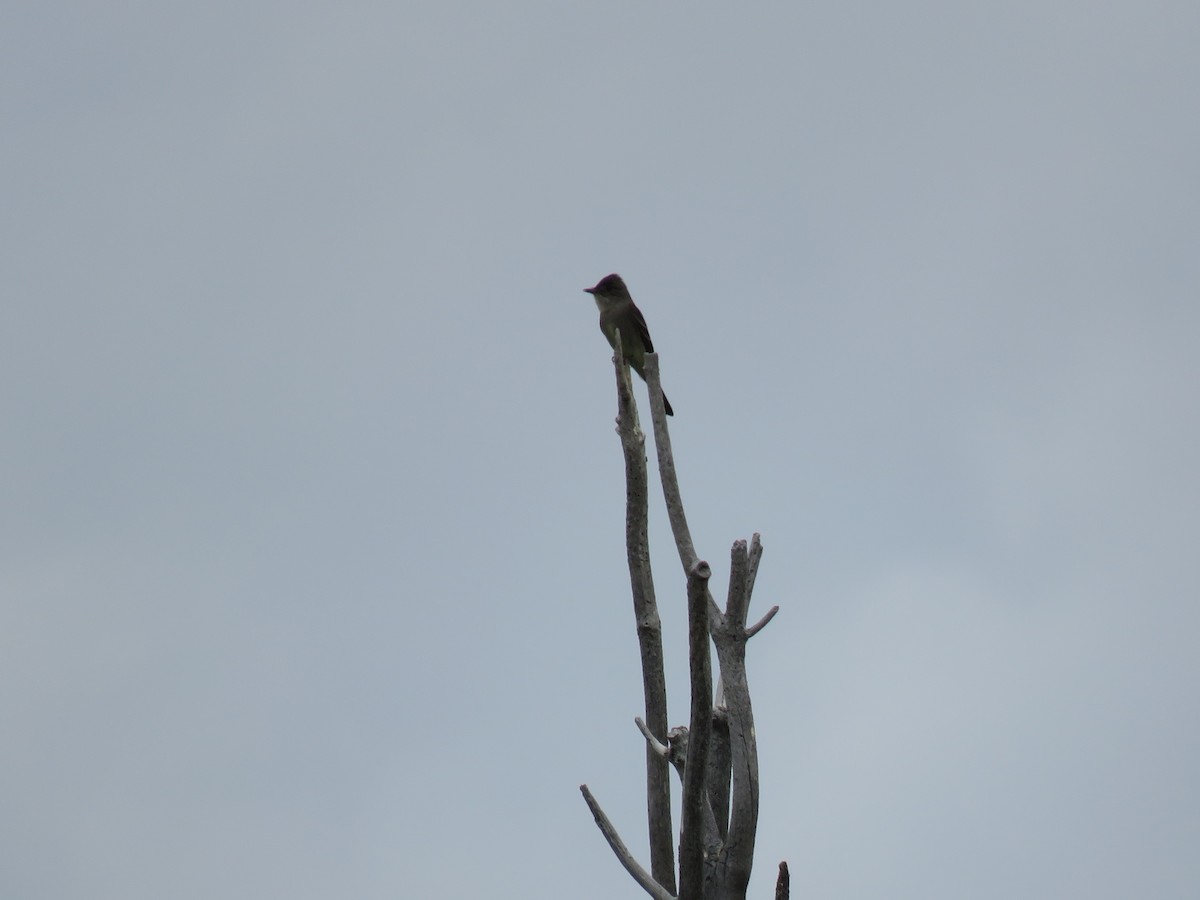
x: 715, y: 754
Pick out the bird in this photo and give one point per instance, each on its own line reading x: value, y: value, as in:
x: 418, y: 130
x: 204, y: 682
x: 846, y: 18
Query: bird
x: 619, y: 313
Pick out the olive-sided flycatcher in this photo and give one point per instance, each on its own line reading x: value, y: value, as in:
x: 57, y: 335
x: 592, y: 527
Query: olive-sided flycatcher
x: 618, y: 313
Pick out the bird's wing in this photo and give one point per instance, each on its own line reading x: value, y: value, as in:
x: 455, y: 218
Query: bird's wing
x: 643, y: 331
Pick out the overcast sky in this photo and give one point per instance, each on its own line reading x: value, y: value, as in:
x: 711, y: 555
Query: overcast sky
x: 313, y: 577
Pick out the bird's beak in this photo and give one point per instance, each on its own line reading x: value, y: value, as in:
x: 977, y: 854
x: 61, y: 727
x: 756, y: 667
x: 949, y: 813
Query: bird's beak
x: 589, y: 290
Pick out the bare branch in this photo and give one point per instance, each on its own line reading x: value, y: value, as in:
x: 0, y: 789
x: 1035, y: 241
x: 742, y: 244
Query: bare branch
x: 666, y: 470
x: 743, y: 818
x: 658, y: 400
x: 652, y: 742
x: 714, y: 831
x: 730, y: 639
x: 761, y: 623
x: 783, y: 884
x: 649, y: 627
x: 691, y: 838
x: 739, y: 598
x: 756, y: 552
x: 716, y: 755
x: 640, y: 875
x: 625, y: 401
x: 716, y: 618
x: 719, y: 761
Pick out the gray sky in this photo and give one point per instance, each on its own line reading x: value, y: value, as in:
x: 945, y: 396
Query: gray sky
x: 313, y: 580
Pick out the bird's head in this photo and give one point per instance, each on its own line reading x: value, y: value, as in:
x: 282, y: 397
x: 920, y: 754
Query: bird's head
x: 610, y: 288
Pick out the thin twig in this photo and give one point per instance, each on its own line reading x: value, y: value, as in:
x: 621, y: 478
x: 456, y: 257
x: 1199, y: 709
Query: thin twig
x: 632, y: 866
x: 761, y: 623
x: 652, y: 742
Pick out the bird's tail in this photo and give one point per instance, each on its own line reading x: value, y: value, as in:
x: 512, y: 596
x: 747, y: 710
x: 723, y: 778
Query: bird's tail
x: 641, y: 370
